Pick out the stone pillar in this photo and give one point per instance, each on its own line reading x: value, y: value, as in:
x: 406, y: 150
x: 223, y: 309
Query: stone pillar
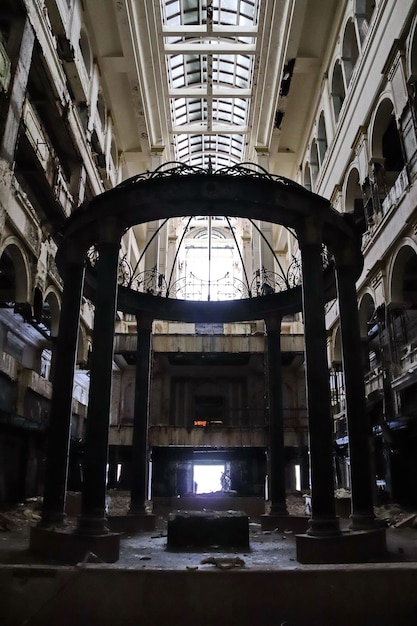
x: 113, y: 458
x: 93, y: 520
x: 358, y: 423
x: 141, y: 413
x: 60, y: 420
x: 277, y: 494
x: 323, y: 520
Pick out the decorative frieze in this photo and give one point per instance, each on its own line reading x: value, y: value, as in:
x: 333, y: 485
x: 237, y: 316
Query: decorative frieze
x: 53, y: 270
x: 4, y: 68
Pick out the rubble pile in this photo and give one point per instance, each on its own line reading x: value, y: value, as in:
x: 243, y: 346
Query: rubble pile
x: 395, y: 516
x: 24, y: 514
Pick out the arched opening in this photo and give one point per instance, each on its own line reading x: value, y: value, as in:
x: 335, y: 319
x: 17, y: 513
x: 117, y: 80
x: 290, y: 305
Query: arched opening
x: 209, y: 262
x: 402, y: 336
x: 13, y: 277
x: 389, y: 174
x: 86, y: 52
x: 350, y: 50
x: 314, y: 164
x: 101, y: 110
x: 7, y: 279
x: 338, y: 90
x: 364, y: 11
x: 354, y: 203
x: 46, y: 317
x: 370, y: 328
x: 307, y: 177
x: 322, y: 138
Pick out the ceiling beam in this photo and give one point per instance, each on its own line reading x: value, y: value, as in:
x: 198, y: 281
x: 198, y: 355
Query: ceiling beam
x: 212, y: 47
x: 202, y: 92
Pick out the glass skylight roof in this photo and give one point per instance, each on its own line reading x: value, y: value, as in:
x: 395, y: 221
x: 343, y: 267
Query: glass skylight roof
x: 210, y: 48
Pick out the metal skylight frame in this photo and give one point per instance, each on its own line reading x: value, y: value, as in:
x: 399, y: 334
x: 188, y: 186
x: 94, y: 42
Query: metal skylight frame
x: 210, y: 46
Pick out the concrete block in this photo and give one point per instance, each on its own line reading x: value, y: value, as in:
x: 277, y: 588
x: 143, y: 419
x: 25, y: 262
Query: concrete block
x: 208, y: 528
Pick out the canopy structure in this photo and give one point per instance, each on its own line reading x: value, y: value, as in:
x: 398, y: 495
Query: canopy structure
x: 244, y: 191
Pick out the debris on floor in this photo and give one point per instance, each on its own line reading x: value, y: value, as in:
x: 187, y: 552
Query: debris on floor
x: 223, y: 562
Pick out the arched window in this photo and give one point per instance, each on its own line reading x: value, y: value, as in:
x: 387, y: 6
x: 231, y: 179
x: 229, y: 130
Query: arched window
x: 338, y: 90
x: 354, y: 203
x: 364, y: 10
x: 86, y: 51
x: 101, y: 110
x: 370, y: 329
x: 314, y: 163
x: 350, y: 50
x: 387, y: 155
x: 209, y: 262
x: 13, y: 276
x: 403, y: 305
x: 114, y: 155
x: 307, y: 177
x: 321, y: 138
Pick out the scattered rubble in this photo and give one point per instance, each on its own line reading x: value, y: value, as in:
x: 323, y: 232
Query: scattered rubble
x: 29, y: 512
x: 223, y: 562
x: 394, y: 516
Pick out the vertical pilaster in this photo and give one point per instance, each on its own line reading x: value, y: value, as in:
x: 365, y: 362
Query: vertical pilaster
x: 323, y: 516
x: 20, y: 50
x: 141, y: 413
x: 359, y: 428
x: 93, y: 520
x: 277, y: 494
x: 60, y: 419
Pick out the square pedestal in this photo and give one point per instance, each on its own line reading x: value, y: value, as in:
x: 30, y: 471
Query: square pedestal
x: 69, y: 547
x: 208, y: 528
x: 295, y: 523
x: 131, y: 524
x: 360, y: 546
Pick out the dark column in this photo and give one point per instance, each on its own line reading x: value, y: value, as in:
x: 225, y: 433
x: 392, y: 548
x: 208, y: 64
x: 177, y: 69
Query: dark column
x: 113, y: 460
x: 138, y: 493
x: 19, y: 49
x: 277, y: 494
x: 93, y: 520
x: 323, y: 516
x: 359, y: 427
x: 65, y: 350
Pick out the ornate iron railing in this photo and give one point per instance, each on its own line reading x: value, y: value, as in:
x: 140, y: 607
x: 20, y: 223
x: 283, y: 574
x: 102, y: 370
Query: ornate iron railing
x: 191, y: 287
x: 176, y: 168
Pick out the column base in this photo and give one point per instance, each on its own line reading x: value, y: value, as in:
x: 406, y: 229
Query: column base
x: 363, y: 522
x: 131, y: 523
x: 295, y: 523
x: 69, y: 547
x: 324, y: 527
x: 350, y: 547
x: 92, y: 525
x: 53, y: 521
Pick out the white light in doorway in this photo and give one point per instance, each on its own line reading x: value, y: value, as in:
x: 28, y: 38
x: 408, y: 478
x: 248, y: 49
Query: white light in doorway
x: 207, y: 478
x: 297, y: 477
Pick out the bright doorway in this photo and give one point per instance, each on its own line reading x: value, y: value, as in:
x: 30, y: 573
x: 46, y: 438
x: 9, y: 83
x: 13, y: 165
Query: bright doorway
x: 206, y: 478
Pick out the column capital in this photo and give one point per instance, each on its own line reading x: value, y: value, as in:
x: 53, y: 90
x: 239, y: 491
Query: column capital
x: 309, y: 231
x: 144, y: 321
x: 345, y: 254
x: 110, y: 230
x: 75, y: 254
x: 273, y: 322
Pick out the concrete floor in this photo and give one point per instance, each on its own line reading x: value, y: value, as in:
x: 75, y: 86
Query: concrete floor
x: 150, y: 585
x: 269, y: 550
